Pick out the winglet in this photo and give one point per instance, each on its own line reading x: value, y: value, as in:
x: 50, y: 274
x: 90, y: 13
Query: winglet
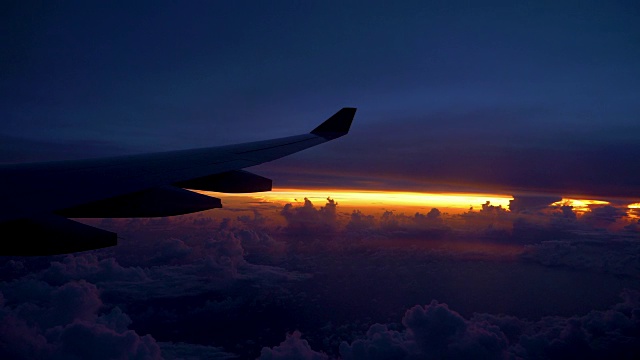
x: 337, y: 125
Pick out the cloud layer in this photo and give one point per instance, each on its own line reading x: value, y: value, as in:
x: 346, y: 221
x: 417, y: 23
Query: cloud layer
x: 337, y: 284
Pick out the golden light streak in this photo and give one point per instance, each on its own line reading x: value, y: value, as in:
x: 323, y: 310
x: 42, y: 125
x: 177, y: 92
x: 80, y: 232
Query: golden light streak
x: 634, y: 212
x: 360, y: 198
x: 580, y: 205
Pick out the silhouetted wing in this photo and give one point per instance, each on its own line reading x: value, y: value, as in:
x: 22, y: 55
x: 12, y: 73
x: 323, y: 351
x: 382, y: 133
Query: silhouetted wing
x: 40, y: 196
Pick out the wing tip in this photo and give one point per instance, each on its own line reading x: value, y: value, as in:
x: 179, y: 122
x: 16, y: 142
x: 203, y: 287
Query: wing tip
x: 337, y: 125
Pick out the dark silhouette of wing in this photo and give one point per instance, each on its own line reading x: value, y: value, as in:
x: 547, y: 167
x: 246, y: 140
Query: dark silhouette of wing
x: 37, y: 198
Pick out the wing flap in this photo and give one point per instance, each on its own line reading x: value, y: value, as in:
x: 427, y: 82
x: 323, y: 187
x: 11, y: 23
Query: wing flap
x: 52, y: 235
x: 154, y: 202
x: 238, y: 181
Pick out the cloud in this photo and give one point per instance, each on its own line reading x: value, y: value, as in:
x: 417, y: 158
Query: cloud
x: 65, y: 324
x: 431, y: 332
x: 436, y: 332
x: 257, y: 221
x: 619, y: 257
x: 599, y: 334
x: 87, y: 266
x: 391, y: 224
x: 292, y: 348
x: 633, y: 227
x: 522, y: 203
x: 306, y: 218
x: 176, y: 275
x: 184, y: 351
x: 360, y: 222
x: 603, y: 216
x: 434, y: 216
x: 380, y: 343
x: 83, y: 340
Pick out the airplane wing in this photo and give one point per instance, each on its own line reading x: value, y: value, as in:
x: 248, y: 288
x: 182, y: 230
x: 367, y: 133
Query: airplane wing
x: 38, y: 198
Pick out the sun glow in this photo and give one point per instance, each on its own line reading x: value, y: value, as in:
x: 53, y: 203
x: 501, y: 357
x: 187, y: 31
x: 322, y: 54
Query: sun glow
x: 634, y: 211
x: 378, y: 200
x: 382, y: 199
x: 580, y: 205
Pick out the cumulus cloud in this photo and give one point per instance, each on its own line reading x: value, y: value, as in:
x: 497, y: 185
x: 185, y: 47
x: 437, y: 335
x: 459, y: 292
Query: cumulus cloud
x: 603, y: 216
x: 391, y: 224
x: 528, y: 203
x: 633, y: 227
x: 599, y: 334
x: 257, y: 221
x: 360, y: 222
x: 65, y: 323
x: 87, y: 266
x: 81, y: 340
x: 380, y: 343
x: 168, y: 252
x: 431, y: 332
x: 306, y: 218
x: 185, y: 351
x: 619, y: 257
x: 292, y: 348
x: 434, y: 216
x: 247, y: 265
x: 436, y: 332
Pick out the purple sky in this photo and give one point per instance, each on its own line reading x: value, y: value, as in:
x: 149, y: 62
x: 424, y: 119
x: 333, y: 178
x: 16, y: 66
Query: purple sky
x: 536, y: 96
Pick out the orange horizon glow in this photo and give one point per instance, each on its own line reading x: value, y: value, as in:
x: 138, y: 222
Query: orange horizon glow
x: 580, y: 205
x: 458, y: 202
x: 635, y: 210
x: 454, y: 202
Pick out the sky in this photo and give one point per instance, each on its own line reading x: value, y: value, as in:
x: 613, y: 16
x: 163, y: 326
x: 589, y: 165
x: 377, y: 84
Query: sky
x: 480, y: 206
x: 513, y: 97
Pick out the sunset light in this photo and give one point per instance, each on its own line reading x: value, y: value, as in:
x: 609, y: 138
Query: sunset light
x: 580, y: 205
x: 457, y: 202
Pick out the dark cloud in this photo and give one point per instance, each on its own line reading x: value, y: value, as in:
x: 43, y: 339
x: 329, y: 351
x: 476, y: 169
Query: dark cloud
x: 619, y: 257
x: 435, y: 332
x: 521, y: 203
x: 633, y: 227
x: 433, y: 216
x: 533, y: 220
x: 293, y: 348
x: 170, y: 251
x: 306, y: 218
x: 439, y: 332
x: 80, y: 340
x: 603, y: 216
x: 180, y: 280
x: 426, y: 226
x: 567, y: 212
x: 184, y: 351
x: 611, y: 333
x: 89, y: 267
x: 432, y: 332
x: 258, y: 220
x: 360, y: 222
x: 66, y: 324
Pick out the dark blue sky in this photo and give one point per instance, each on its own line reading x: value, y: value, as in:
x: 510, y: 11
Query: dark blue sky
x: 511, y: 96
